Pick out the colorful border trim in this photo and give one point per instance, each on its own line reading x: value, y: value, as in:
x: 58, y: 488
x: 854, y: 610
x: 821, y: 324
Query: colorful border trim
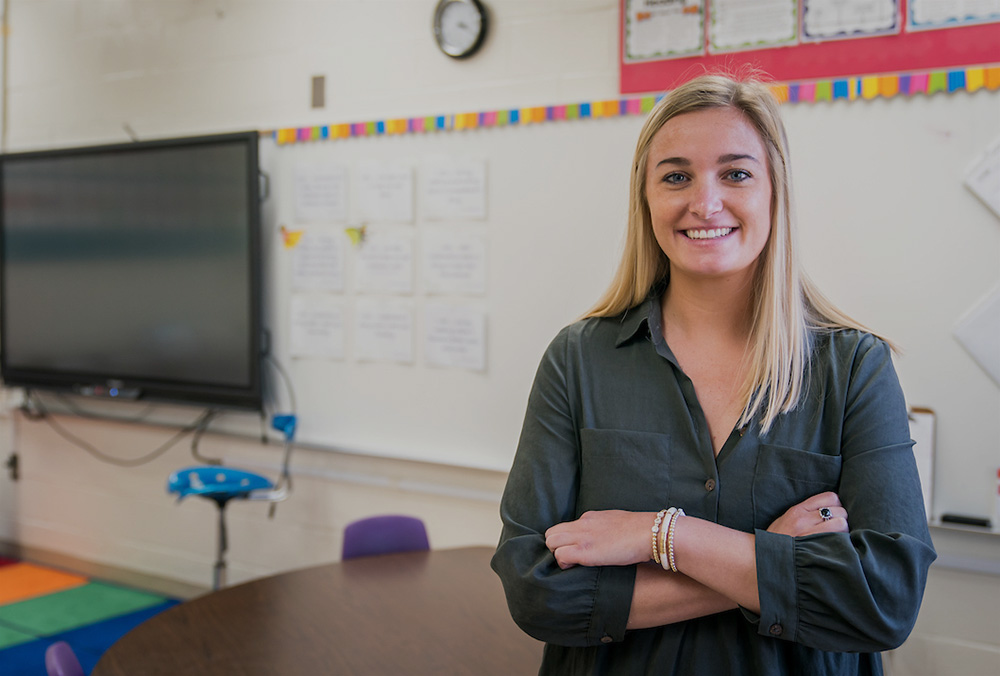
x: 852, y: 88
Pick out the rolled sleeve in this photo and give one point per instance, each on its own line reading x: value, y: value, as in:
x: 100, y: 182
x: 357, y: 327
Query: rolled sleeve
x: 779, y: 598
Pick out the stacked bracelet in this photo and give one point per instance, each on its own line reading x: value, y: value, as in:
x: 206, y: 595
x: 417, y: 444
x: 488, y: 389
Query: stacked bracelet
x: 656, y: 534
x: 668, y: 558
x: 660, y: 534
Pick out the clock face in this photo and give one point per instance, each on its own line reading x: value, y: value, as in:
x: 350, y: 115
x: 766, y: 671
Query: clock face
x: 460, y: 26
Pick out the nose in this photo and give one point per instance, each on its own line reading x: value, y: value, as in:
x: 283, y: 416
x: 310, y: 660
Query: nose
x: 706, y: 200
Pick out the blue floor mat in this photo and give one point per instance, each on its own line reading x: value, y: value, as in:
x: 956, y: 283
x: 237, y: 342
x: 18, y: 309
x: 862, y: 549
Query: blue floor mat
x: 88, y: 642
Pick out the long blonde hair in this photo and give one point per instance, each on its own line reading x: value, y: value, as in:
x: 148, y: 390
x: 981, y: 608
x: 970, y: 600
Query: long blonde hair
x: 787, y: 307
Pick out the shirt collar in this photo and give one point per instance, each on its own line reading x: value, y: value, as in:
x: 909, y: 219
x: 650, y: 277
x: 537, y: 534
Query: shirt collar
x: 640, y: 321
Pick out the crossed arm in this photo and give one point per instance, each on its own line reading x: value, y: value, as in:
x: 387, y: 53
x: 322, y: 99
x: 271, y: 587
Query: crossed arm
x: 717, y: 565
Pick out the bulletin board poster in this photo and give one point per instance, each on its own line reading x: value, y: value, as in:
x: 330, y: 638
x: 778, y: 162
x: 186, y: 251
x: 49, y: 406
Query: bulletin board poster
x: 665, y: 42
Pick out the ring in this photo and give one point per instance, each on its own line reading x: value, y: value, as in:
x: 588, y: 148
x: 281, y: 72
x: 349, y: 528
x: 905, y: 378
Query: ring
x: 825, y: 513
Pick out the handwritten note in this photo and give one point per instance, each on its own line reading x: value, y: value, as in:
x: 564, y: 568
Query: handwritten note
x: 751, y: 24
x: 384, y: 331
x: 321, y: 193
x: 317, y: 327
x: 454, y: 189
x: 385, y: 263
x: 385, y: 192
x: 822, y: 19
x: 453, y: 261
x: 663, y: 30
x: 938, y: 13
x: 455, y: 336
x: 318, y: 260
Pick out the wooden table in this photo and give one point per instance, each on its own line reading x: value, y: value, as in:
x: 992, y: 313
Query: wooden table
x: 441, y: 612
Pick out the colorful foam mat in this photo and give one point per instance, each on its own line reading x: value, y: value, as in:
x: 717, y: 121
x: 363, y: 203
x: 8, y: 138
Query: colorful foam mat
x: 968, y: 79
x: 41, y: 605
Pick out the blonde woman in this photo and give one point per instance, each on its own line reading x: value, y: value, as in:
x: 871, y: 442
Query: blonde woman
x: 715, y: 472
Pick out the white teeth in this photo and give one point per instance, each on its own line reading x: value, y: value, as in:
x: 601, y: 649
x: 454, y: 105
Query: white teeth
x: 708, y: 234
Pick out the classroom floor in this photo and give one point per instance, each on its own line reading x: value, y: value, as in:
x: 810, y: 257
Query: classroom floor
x: 41, y: 605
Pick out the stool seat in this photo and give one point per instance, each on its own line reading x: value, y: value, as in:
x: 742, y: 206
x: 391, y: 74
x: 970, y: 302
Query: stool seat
x: 217, y: 483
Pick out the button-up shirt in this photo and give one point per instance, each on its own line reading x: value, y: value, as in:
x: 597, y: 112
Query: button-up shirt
x: 614, y: 423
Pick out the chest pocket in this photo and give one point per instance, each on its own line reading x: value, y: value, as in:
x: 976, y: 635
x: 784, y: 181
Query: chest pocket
x: 622, y: 469
x: 787, y: 476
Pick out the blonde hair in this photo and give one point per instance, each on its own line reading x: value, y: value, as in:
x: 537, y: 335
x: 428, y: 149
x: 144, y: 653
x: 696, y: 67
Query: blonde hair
x: 786, y: 306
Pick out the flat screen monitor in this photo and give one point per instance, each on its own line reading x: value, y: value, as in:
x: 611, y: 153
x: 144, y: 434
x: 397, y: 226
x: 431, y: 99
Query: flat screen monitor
x: 133, y: 270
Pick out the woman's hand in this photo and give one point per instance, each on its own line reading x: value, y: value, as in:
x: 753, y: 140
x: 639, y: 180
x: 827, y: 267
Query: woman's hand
x: 807, y: 517
x: 605, y: 538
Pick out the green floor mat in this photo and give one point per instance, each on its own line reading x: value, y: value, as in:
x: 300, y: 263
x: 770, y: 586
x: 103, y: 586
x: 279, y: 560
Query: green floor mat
x: 75, y: 607
x: 10, y: 637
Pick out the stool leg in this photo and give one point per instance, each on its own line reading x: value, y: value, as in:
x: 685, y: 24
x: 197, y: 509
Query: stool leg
x: 219, y: 573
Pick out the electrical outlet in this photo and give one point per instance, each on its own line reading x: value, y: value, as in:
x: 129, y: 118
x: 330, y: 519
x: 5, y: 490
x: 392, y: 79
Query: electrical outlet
x: 13, y: 465
x: 319, y: 91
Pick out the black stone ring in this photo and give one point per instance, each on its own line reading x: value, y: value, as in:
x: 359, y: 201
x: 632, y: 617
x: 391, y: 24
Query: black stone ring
x: 825, y: 513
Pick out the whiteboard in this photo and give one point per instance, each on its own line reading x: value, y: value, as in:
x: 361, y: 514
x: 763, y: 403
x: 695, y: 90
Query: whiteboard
x: 887, y: 231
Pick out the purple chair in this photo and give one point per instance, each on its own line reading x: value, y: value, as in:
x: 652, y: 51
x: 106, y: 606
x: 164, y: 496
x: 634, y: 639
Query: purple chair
x: 60, y: 660
x: 386, y: 534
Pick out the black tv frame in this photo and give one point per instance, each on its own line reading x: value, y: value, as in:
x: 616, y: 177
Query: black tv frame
x: 106, y: 385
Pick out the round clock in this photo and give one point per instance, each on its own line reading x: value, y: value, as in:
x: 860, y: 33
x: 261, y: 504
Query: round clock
x: 459, y: 27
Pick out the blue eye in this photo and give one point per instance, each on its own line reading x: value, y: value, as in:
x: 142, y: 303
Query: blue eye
x: 674, y: 178
x: 738, y: 175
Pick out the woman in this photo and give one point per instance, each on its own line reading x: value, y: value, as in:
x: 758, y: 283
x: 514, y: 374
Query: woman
x: 713, y: 379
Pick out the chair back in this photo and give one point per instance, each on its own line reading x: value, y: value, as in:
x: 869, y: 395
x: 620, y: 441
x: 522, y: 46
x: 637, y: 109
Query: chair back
x: 387, y: 534
x: 60, y: 660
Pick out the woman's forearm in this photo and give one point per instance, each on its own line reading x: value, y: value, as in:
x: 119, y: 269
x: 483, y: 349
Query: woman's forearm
x: 661, y: 597
x: 720, y: 558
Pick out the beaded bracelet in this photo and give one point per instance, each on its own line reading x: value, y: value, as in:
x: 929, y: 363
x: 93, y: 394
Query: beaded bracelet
x: 670, y: 539
x: 656, y: 531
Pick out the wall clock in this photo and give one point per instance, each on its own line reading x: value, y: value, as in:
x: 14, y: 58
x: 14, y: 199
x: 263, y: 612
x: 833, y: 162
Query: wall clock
x: 460, y: 27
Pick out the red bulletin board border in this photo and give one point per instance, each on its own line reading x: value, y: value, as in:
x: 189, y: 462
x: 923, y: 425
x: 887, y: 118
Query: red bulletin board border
x: 906, y: 51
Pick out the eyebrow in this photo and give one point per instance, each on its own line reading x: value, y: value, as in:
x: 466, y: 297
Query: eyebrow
x: 723, y: 159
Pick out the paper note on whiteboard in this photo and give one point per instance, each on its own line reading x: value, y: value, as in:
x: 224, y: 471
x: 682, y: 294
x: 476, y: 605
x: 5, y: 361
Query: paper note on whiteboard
x: 983, y: 178
x: 317, y: 327
x: 385, y: 263
x: 454, y: 261
x: 455, y: 336
x: 922, y: 433
x: 384, y: 331
x: 321, y: 193
x: 318, y: 260
x: 454, y: 189
x: 385, y: 192
x: 979, y: 333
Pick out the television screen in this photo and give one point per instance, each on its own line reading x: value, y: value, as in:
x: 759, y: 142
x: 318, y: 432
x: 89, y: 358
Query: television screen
x: 133, y: 270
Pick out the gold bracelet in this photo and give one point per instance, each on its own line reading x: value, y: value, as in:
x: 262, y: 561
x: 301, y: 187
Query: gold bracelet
x: 662, y: 544
x: 656, y: 531
x: 670, y: 539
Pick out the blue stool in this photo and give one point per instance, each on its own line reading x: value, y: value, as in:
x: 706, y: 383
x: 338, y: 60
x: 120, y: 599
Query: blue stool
x: 222, y: 484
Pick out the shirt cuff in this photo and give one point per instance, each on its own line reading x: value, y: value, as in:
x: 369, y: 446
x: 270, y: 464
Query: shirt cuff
x: 612, y: 604
x: 776, y: 585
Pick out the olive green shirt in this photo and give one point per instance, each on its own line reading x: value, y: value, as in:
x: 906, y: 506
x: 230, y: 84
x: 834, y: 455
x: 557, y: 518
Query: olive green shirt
x: 613, y: 423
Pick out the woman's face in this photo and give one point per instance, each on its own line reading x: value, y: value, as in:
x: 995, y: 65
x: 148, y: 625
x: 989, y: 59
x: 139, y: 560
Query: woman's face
x: 709, y: 193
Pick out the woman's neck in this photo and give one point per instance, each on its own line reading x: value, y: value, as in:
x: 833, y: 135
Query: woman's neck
x: 719, y: 309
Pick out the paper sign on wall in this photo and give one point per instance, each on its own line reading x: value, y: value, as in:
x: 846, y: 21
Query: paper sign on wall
x: 317, y: 327
x: 385, y: 263
x: 384, y: 331
x: 318, y: 260
x: 454, y: 189
x: 321, y: 193
x: 385, y: 192
x: 455, y: 336
x: 979, y: 333
x: 453, y: 261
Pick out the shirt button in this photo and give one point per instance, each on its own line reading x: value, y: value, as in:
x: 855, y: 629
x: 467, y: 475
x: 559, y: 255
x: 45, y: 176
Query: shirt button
x: 710, y: 485
x: 775, y: 629
x: 606, y: 639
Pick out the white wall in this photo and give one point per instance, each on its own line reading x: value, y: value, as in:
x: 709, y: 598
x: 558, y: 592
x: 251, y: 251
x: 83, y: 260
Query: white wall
x: 81, y: 69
